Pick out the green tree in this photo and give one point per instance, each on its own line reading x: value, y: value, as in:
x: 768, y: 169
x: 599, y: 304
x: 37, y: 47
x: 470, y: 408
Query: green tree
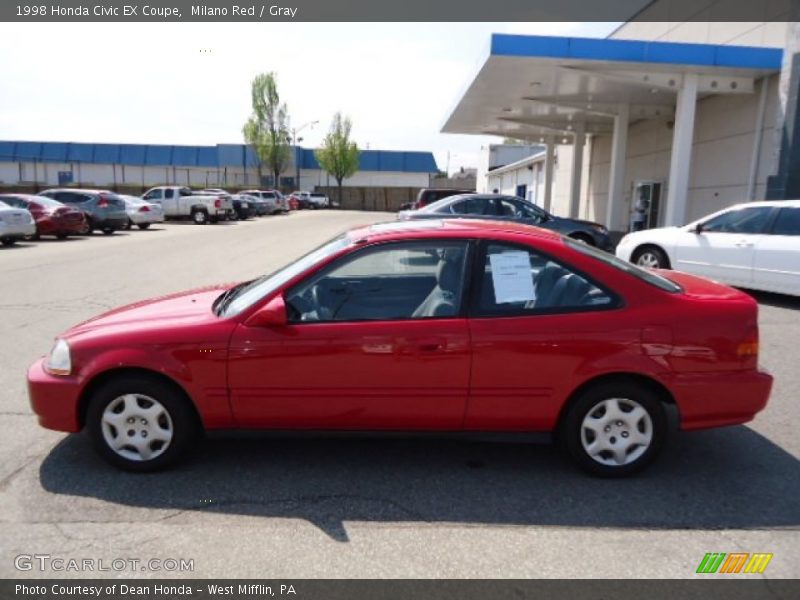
x: 267, y: 129
x: 338, y: 154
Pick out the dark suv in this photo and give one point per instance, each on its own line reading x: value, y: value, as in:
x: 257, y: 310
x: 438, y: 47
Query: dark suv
x: 104, y: 210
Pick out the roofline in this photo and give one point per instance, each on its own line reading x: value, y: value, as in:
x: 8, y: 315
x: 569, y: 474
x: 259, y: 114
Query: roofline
x: 520, y: 163
x: 637, y: 51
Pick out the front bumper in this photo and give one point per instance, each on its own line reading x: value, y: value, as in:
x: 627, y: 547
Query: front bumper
x: 708, y: 400
x: 55, y: 400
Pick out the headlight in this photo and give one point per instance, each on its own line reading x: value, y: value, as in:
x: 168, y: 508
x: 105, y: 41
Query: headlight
x: 59, y: 361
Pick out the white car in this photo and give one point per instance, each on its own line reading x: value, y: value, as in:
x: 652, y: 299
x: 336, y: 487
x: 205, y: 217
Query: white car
x: 754, y: 245
x: 15, y: 224
x: 141, y: 212
x: 319, y: 200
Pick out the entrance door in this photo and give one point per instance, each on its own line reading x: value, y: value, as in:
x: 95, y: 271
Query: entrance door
x: 648, y: 200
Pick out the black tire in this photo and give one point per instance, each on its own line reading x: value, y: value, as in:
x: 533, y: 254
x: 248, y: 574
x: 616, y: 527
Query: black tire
x: 200, y: 217
x: 574, y: 435
x: 143, y: 225
x: 181, y: 417
x: 129, y: 226
x: 8, y: 242
x: 650, y: 257
x: 33, y: 238
x: 61, y: 236
x: 108, y: 231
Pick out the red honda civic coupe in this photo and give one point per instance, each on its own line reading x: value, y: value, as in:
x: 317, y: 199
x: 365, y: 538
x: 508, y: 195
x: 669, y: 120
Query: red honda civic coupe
x: 435, y: 326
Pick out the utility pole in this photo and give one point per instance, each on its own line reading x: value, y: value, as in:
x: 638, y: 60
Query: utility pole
x: 296, y: 139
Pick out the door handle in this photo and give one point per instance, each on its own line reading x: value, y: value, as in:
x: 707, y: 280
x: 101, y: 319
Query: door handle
x: 431, y: 345
x: 743, y: 244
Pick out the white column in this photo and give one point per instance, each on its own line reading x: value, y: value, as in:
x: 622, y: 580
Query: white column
x: 681, y: 160
x: 616, y: 180
x: 549, y: 159
x: 577, y: 171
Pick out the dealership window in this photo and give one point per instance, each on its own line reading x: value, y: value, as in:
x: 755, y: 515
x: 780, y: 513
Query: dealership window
x: 518, y: 280
x: 414, y: 280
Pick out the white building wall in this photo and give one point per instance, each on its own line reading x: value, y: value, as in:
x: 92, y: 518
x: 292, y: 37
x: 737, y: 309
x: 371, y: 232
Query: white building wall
x: 724, y: 135
x: 104, y: 175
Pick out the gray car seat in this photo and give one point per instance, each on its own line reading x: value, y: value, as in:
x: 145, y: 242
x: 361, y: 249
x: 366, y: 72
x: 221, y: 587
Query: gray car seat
x: 443, y: 299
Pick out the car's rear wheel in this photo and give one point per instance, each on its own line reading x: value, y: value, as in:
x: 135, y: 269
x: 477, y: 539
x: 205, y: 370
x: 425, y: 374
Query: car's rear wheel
x: 61, y: 236
x: 8, y: 242
x: 614, y: 429
x: 650, y: 257
x: 140, y: 423
x: 129, y: 226
x: 143, y: 225
x: 108, y: 231
x: 200, y: 217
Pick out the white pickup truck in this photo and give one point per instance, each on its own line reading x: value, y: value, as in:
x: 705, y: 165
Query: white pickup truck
x: 180, y: 202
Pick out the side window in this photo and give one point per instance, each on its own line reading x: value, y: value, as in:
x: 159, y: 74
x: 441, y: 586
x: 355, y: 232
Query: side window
x: 471, y: 206
x: 787, y: 222
x: 153, y: 195
x: 169, y: 193
x: 14, y: 202
x: 69, y: 197
x: 517, y: 280
x: 414, y: 280
x: 745, y: 220
x: 527, y: 211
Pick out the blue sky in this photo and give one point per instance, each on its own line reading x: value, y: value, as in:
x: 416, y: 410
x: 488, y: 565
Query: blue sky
x: 189, y: 83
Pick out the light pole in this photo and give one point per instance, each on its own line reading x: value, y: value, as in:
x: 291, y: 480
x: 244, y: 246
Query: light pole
x: 295, y: 139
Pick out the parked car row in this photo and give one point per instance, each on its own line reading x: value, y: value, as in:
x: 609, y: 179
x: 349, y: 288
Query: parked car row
x: 62, y: 212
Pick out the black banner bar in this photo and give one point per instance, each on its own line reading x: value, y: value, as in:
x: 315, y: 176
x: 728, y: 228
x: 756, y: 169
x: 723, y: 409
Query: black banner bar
x: 33, y: 11
x: 741, y: 587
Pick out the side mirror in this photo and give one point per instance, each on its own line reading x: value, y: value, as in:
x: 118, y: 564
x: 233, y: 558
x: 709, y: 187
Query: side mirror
x: 698, y: 228
x: 272, y: 314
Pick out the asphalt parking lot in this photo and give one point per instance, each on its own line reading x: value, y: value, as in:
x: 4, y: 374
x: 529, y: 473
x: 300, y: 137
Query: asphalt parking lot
x: 255, y: 506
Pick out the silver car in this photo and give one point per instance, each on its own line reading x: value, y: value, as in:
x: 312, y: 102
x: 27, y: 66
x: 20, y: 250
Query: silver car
x: 141, y: 212
x: 15, y: 224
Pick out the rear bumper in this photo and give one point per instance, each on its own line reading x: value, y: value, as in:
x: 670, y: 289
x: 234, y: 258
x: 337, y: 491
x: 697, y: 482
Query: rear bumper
x: 54, y: 399
x: 139, y: 218
x: 60, y: 226
x: 111, y: 223
x: 716, y: 399
x: 9, y: 231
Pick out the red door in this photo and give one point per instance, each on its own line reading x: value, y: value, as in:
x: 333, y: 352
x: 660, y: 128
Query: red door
x: 377, y: 341
x: 536, y: 325
x: 360, y: 375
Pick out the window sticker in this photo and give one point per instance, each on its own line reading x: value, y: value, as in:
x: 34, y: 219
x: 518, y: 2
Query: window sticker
x: 511, y: 276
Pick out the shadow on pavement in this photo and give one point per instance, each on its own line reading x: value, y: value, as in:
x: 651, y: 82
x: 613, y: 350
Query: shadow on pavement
x: 723, y: 479
x: 776, y: 300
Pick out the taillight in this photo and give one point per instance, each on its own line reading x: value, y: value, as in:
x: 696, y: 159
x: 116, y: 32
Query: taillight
x: 218, y: 203
x: 747, y: 349
x: 144, y: 208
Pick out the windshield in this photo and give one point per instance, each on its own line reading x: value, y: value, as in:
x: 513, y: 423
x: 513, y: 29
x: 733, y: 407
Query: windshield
x: 611, y: 260
x: 435, y: 206
x: 264, y: 286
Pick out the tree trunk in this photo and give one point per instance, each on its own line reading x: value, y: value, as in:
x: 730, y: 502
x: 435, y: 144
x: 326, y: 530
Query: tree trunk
x: 341, y: 200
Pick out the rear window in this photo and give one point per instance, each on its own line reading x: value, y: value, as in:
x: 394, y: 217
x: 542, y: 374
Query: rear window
x: 622, y: 265
x: 317, y: 195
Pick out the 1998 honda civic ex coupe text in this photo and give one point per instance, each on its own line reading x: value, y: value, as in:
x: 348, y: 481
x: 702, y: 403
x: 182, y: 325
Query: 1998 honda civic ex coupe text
x: 436, y: 326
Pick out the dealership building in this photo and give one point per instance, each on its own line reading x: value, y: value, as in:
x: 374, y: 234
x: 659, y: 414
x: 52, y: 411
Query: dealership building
x: 691, y: 116
x: 47, y: 164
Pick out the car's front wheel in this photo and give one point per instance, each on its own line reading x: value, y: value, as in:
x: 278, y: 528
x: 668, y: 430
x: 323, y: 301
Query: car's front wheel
x: 200, y: 217
x: 140, y: 424
x: 143, y: 226
x: 614, y: 429
x: 650, y: 257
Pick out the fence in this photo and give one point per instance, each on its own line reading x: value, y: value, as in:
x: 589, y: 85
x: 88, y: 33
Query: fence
x: 371, y: 198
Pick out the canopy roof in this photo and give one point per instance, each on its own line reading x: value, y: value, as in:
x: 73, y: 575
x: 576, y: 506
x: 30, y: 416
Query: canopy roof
x: 529, y: 87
